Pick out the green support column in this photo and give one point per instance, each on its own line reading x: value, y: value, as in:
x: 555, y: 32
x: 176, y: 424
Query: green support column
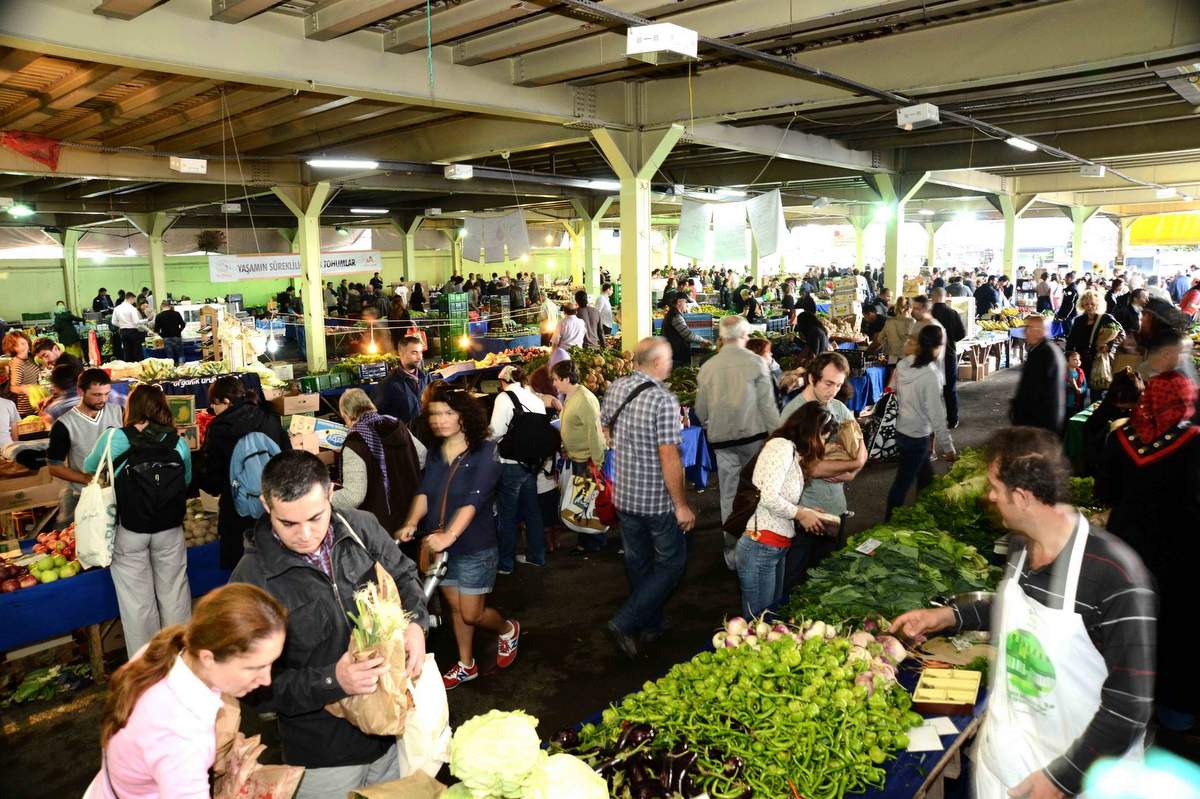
x: 635, y: 171
x: 69, y: 239
x: 931, y: 229
x: 1012, y: 206
x: 306, y: 203
x: 590, y: 214
x: 755, y: 264
x: 668, y: 235
x: 406, y: 227
x: 1078, y: 214
x: 289, y: 234
x: 575, y: 229
x: 1123, y: 224
x: 894, y: 191
x: 153, y: 226
x: 456, y: 250
x: 859, y: 218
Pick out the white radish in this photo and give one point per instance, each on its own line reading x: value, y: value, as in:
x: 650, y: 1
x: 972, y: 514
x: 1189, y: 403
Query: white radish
x: 737, y: 626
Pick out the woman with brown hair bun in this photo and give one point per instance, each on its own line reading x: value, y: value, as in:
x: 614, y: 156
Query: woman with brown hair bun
x: 153, y: 468
x: 157, y: 736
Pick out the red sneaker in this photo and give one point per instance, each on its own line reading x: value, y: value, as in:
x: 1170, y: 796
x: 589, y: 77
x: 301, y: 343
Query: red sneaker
x: 459, y: 674
x: 507, y: 651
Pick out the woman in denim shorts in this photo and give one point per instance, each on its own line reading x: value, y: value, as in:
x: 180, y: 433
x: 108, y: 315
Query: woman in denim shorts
x: 454, y: 510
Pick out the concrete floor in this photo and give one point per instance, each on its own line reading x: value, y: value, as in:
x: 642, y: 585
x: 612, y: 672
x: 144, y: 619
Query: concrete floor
x: 566, y: 669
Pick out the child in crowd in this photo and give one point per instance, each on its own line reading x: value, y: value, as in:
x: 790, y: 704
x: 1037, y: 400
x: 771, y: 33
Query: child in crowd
x: 1077, y: 387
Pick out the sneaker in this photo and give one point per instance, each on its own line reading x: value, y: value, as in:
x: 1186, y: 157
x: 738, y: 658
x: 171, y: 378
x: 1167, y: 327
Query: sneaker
x: 650, y: 636
x: 507, y: 650
x: 459, y: 674
x: 504, y: 572
x: 622, y: 641
x: 528, y: 562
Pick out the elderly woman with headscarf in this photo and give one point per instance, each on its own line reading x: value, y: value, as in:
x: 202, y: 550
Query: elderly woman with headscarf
x: 380, y: 462
x: 1151, y: 479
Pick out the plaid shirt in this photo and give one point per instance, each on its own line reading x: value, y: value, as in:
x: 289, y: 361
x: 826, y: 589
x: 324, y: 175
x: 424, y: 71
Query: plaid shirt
x: 321, y: 558
x: 647, y: 423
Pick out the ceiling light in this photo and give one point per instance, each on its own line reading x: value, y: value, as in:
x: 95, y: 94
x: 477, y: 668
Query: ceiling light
x: 549, y: 238
x: 458, y: 171
x: 341, y: 230
x: 20, y: 211
x: 729, y: 193
x: 927, y: 212
x: 883, y: 212
x: 368, y: 211
x: 99, y: 258
x: 1186, y: 197
x: 965, y: 216
x: 130, y: 252
x: 341, y: 163
x: 820, y: 202
x: 1092, y: 170
x: 605, y: 185
x: 1021, y: 144
x: 1162, y: 194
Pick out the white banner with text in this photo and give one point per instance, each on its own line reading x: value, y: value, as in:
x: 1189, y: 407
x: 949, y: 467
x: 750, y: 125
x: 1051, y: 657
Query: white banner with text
x: 231, y: 268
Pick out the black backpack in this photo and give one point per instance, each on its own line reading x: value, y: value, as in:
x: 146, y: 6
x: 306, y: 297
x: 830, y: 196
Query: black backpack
x: 530, y: 439
x: 151, y: 490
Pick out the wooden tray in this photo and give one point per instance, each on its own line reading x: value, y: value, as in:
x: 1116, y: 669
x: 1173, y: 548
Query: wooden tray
x: 949, y: 692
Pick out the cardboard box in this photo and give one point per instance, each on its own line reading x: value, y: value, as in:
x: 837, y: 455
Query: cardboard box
x: 35, y: 496
x: 183, y: 409
x: 191, y: 434
x: 327, y: 456
x: 330, y: 435
x: 301, y: 424
x: 40, y: 477
x: 845, y: 309
x: 307, y: 442
x: 284, y: 371
x: 296, y: 403
x: 271, y: 393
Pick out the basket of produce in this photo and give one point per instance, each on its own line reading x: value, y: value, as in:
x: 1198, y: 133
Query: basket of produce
x: 199, y: 525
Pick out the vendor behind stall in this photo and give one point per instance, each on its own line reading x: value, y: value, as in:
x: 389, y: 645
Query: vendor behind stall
x: 75, y: 434
x: 23, y: 372
x: 64, y: 328
x: 1074, y: 621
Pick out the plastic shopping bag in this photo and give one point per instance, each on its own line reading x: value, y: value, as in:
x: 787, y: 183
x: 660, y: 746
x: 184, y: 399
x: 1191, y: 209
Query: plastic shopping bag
x: 96, y: 516
x: 426, y: 739
x: 577, y: 501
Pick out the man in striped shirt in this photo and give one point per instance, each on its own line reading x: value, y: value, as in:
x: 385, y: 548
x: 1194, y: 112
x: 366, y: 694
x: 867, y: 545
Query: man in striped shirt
x: 1074, y: 623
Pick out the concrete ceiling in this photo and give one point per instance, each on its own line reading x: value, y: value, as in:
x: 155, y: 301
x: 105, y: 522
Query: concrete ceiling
x: 257, y: 86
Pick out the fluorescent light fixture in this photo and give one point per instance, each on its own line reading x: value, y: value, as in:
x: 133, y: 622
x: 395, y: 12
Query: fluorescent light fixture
x: 965, y: 216
x: 1186, y: 197
x: 927, y: 212
x: 99, y: 258
x: 1162, y: 194
x: 1021, y: 144
x: 884, y: 212
x: 342, y: 163
x: 605, y: 185
x: 130, y: 252
x: 20, y: 211
x: 341, y: 230
x: 368, y: 211
x: 729, y: 193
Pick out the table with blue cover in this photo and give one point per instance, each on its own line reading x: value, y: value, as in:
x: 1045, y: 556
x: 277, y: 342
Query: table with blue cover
x: 823, y: 307
x: 490, y: 344
x: 697, y: 456
x: 52, y: 609
x: 868, y: 388
x: 195, y: 386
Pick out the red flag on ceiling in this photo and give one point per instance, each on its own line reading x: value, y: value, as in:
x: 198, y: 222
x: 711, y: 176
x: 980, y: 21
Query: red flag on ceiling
x: 40, y: 148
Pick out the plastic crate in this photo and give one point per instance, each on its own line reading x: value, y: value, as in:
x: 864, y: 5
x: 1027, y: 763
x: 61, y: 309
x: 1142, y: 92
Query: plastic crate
x: 309, y: 384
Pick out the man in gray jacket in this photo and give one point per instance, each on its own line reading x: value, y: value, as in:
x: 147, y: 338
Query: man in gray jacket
x: 735, y: 400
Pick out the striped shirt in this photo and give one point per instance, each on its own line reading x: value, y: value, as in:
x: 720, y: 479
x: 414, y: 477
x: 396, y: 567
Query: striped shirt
x: 1119, y: 607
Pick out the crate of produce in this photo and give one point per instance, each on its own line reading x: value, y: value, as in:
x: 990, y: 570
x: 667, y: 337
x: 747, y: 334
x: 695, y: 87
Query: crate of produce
x: 199, y: 525
x: 309, y: 384
x: 949, y: 692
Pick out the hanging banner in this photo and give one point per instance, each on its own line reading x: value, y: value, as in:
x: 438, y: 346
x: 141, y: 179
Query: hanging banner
x: 473, y: 240
x: 493, y: 239
x: 694, y: 219
x: 729, y: 232
x: 516, y: 235
x: 766, y: 222
x: 231, y: 268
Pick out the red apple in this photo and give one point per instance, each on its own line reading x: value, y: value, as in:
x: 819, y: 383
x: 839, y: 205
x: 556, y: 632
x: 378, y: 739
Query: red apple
x: 8, y: 586
x: 39, y: 549
x: 42, y: 537
x: 28, y: 581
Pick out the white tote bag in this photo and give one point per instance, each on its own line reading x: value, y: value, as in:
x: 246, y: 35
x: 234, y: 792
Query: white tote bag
x: 96, y: 515
x: 426, y: 740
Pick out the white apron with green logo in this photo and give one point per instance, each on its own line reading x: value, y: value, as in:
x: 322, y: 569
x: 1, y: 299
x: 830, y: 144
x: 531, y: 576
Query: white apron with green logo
x: 1046, y: 687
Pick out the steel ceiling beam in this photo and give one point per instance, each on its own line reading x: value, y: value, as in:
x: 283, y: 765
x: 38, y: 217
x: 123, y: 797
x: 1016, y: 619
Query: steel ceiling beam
x: 125, y: 9
x: 450, y: 22
x: 263, y: 117
x: 156, y: 97
x: 468, y: 140
x: 235, y: 11
x: 333, y: 19
x: 236, y: 101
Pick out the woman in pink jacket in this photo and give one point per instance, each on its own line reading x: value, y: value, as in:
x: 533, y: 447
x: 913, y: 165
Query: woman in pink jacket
x: 158, y: 732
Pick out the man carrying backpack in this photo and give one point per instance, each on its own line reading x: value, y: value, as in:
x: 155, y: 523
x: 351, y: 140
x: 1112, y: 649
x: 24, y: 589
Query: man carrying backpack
x: 153, y: 468
x: 526, y: 440
x: 237, y: 415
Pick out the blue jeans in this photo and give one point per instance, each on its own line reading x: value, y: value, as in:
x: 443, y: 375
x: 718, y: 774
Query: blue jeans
x: 517, y: 497
x: 655, y: 560
x: 760, y: 570
x: 914, y: 466
x: 174, y: 348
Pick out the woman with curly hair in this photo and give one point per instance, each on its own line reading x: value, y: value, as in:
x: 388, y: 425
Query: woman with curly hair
x: 454, y: 510
x: 23, y: 372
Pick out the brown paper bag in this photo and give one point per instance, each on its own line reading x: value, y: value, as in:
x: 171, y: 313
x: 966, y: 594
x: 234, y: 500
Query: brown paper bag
x: 417, y: 785
x: 846, y: 446
x: 241, y: 776
x: 229, y: 720
x: 384, y: 711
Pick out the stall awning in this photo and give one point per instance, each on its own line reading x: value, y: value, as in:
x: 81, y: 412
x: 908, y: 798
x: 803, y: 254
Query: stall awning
x: 1163, y: 229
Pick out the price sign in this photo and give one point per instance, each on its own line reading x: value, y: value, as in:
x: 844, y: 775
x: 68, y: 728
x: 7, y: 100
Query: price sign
x: 372, y: 372
x: 868, y: 546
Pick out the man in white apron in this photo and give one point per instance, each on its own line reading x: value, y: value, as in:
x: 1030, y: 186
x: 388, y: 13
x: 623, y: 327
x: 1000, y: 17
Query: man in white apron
x: 1073, y: 623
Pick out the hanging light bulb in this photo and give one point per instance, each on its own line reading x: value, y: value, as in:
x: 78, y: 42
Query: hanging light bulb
x: 272, y: 345
x: 373, y: 348
x: 130, y: 252
x: 465, y: 342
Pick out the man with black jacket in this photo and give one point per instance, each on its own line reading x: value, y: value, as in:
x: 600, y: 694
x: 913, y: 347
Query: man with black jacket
x: 1040, y: 400
x: 677, y: 333
x: 169, y: 324
x: 313, y: 560
x: 955, y: 332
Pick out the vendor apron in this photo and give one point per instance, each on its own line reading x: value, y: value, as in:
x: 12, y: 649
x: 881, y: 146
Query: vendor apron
x: 1047, y: 684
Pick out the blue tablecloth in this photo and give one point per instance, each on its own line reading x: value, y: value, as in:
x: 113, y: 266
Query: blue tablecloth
x: 486, y: 344
x: 196, y: 386
x: 868, y: 388
x: 847, y: 345
x: 698, y: 460
x: 45, y: 611
x: 823, y: 307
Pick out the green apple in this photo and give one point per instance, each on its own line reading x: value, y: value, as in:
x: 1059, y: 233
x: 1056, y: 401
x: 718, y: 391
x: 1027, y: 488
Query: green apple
x: 60, y: 561
x: 48, y: 575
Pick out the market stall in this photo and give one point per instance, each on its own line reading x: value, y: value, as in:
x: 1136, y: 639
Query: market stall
x: 196, y: 387
x: 868, y: 386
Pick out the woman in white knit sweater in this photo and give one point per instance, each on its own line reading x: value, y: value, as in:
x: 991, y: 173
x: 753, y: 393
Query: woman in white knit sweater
x: 779, y: 474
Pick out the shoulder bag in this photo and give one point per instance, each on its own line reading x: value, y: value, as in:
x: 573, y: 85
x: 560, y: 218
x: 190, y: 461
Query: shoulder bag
x: 96, y: 514
x: 426, y: 556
